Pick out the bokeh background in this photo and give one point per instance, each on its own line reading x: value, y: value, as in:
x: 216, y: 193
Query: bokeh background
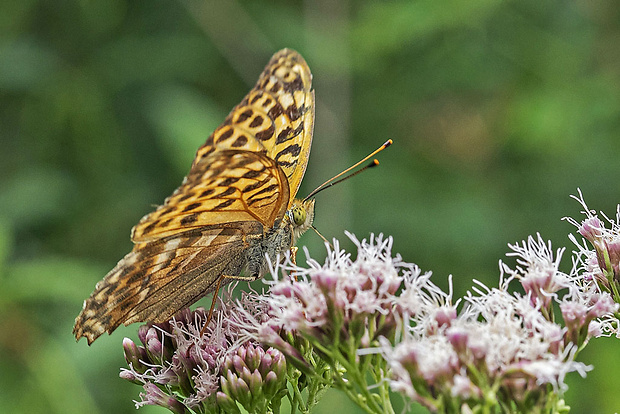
x: 499, y: 110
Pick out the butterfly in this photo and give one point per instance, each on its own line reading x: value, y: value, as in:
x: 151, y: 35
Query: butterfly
x: 235, y: 210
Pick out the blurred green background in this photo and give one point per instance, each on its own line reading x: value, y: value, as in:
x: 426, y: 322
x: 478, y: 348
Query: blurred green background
x: 499, y: 110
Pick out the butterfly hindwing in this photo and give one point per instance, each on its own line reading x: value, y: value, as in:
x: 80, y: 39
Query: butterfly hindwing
x: 156, y: 279
x: 179, y: 260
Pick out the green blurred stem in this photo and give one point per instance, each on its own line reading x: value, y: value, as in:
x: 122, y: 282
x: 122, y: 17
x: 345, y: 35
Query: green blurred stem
x: 296, y: 399
x: 357, y: 387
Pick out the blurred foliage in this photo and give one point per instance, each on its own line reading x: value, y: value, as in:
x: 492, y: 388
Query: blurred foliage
x: 499, y: 110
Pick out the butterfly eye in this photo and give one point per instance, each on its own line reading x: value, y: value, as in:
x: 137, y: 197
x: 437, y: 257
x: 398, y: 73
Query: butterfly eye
x: 299, y: 215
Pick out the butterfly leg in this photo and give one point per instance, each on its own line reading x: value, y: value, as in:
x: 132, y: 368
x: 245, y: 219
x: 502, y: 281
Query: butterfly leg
x: 294, y: 260
x: 210, y: 314
x: 294, y: 254
x: 216, y: 291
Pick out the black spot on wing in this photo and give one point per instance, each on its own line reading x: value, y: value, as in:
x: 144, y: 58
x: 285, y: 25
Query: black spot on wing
x: 292, y: 150
x: 265, y: 134
x: 185, y: 197
x: 268, y: 189
x: 226, y: 134
x: 284, y: 135
x: 227, y: 192
x: 189, y: 219
x: 254, y: 186
x: 257, y: 121
x: 165, y: 223
x: 252, y: 200
x: 293, y: 112
x: 275, y: 111
x: 224, y: 204
x: 240, y: 141
x: 150, y: 227
x: 252, y: 174
x: 288, y: 134
x: 228, y: 181
x: 243, y: 116
x: 192, y: 206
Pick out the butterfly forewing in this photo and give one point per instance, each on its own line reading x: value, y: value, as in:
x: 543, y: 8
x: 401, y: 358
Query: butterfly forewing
x: 276, y: 116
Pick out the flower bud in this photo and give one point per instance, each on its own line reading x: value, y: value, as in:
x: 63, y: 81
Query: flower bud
x: 458, y: 338
x: 591, y: 228
x: 253, y: 357
x: 129, y: 376
x: 155, y: 396
x: 226, y: 403
x: 134, y: 355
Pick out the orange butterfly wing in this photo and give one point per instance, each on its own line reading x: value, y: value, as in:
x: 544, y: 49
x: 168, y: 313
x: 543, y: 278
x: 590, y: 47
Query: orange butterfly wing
x: 276, y: 118
x: 224, y: 187
x: 159, y: 277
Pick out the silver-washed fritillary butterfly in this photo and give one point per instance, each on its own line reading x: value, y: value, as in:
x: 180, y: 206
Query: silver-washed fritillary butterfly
x: 235, y: 208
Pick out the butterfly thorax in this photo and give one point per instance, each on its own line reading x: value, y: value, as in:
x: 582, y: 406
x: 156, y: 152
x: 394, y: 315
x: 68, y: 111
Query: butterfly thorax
x: 277, y: 241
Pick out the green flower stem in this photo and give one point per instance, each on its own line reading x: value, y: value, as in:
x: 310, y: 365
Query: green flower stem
x: 296, y: 399
x: 381, y: 400
x: 615, y: 292
x: 319, y: 387
x: 378, y: 373
x: 275, y: 404
x: 608, y: 272
x: 354, y: 396
x: 548, y: 313
x: 351, y: 370
x: 357, y: 387
x: 315, y: 382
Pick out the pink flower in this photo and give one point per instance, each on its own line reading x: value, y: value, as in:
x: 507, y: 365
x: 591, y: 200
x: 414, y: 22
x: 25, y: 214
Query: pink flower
x: 180, y: 368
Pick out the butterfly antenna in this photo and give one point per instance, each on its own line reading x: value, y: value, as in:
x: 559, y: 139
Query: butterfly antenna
x: 335, y: 180
x: 373, y: 163
x: 321, y: 236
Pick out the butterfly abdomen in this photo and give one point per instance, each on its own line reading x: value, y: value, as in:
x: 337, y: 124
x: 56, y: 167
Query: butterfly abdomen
x: 273, y: 246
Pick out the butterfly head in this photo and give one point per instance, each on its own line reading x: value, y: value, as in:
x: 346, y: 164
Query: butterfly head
x: 301, y: 215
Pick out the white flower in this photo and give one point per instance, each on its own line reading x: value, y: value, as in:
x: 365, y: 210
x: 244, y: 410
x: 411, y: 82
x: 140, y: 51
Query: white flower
x: 553, y: 369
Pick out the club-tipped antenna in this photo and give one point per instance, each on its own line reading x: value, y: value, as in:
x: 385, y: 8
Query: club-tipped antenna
x: 334, y: 179
x: 373, y: 163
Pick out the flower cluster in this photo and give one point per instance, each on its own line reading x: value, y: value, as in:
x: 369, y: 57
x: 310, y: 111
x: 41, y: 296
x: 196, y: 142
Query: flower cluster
x: 344, y: 300
x: 183, y: 369
x: 254, y: 377
x: 503, y: 348
x: 601, y: 265
x: 374, y: 324
x: 336, y: 310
